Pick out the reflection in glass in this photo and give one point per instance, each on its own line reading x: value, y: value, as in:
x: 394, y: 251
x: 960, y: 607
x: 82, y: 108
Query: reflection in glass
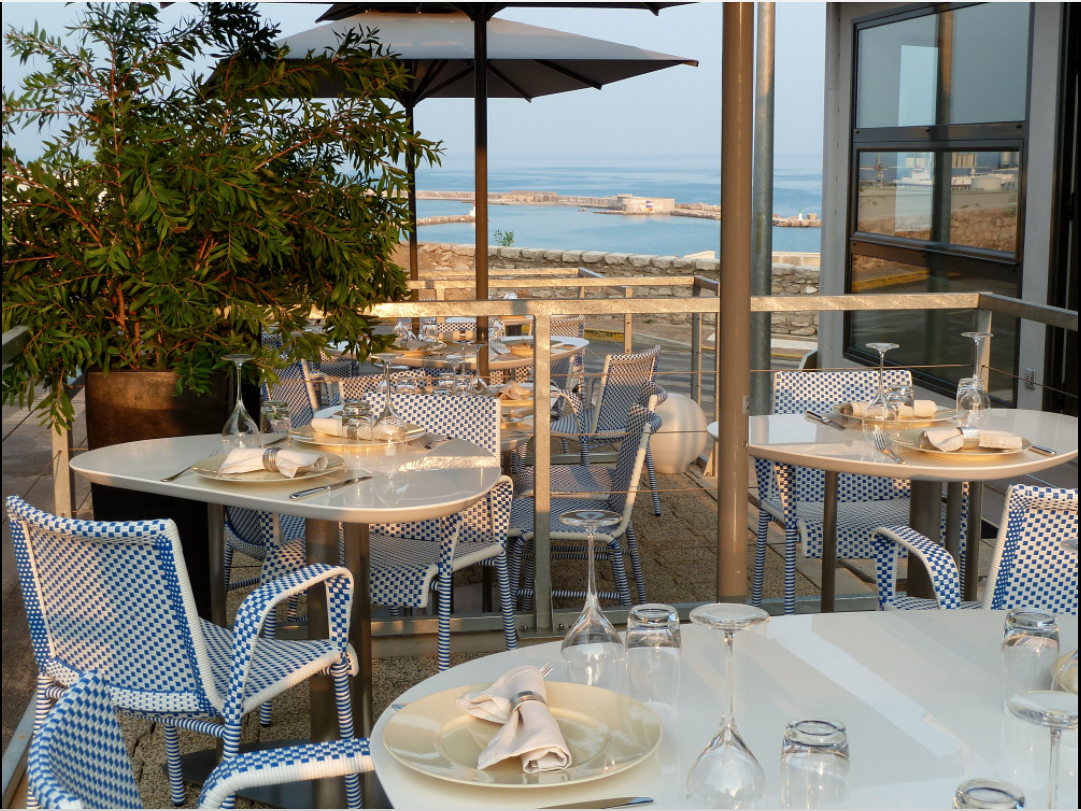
x: 898, y: 65
x: 983, y: 200
x: 990, y: 63
x: 896, y: 193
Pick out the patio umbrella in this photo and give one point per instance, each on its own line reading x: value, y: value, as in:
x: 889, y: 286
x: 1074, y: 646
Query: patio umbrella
x: 441, y: 47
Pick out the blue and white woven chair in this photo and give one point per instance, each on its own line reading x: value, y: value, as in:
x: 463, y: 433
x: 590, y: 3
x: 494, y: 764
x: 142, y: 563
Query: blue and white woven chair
x: 568, y: 372
x: 794, y: 495
x: 600, y: 419
x: 641, y: 422
x: 409, y: 560
x: 1029, y: 567
x: 115, y: 598
x: 78, y: 758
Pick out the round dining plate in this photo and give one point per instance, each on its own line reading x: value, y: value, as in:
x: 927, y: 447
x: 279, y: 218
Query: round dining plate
x: 210, y: 468
x: 942, y: 415
x: 310, y: 436
x: 606, y: 732
x: 909, y: 440
x: 429, y: 348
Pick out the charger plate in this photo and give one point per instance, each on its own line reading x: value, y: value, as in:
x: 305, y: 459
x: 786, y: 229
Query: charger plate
x: 607, y: 733
x: 941, y: 415
x: 210, y: 468
x: 312, y: 437
x: 428, y: 349
x: 909, y: 440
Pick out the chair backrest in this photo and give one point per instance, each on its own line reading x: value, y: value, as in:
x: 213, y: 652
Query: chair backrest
x: 475, y: 419
x: 466, y: 331
x: 620, y: 386
x: 78, y: 758
x: 295, y: 385
x: 640, y: 424
x: 115, y: 598
x: 1029, y: 566
x: 794, y: 392
x: 572, y: 366
x: 359, y: 387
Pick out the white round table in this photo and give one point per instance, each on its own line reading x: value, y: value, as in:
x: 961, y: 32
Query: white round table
x: 794, y: 439
x: 918, y: 690
x: 571, y: 346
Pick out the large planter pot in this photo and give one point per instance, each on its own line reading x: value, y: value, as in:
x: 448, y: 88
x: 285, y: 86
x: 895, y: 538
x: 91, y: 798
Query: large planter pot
x: 127, y: 406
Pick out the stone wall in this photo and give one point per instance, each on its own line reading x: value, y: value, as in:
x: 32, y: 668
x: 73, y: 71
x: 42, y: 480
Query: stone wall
x: 793, y: 274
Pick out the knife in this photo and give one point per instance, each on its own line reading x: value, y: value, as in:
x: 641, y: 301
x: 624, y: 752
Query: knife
x: 611, y: 802
x: 326, y: 488
x: 1043, y: 450
x: 824, y: 420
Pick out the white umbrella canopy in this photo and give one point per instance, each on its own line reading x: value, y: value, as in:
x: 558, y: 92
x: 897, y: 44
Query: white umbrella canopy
x: 524, y: 61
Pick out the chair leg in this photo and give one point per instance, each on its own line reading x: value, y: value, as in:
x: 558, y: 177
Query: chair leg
x: 395, y: 611
x: 791, y: 544
x: 344, y: 698
x: 514, y: 567
x: 653, y: 482
x: 42, y: 705
x: 759, y: 575
x: 228, y: 565
x: 446, y: 606
x: 566, y: 447
x: 529, y: 567
x: 172, y: 762
x: 506, y: 601
x: 619, y: 569
x: 636, y: 564
x: 585, y: 450
x: 292, y: 613
x: 270, y: 631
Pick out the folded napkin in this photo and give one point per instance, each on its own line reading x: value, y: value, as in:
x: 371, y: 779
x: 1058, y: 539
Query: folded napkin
x: 920, y: 410
x: 413, y: 344
x: 954, y: 439
x: 529, y: 732
x: 515, y: 391
x: 497, y: 348
x: 289, y: 462
x: 454, y: 454
x: 333, y: 426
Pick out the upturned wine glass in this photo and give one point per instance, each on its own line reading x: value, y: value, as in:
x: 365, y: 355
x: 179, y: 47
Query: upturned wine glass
x: 727, y: 774
x: 1056, y: 710
x: 880, y: 406
x: 241, y: 431
x: 592, y: 648
x: 477, y: 386
x: 389, y: 422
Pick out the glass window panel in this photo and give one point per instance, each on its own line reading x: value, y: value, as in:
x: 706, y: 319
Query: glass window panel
x: 898, y: 63
x: 983, y: 200
x: 990, y: 62
x: 931, y: 337
x: 895, y: 193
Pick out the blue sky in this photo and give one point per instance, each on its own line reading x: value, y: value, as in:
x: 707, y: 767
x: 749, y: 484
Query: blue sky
x: 670, y: 114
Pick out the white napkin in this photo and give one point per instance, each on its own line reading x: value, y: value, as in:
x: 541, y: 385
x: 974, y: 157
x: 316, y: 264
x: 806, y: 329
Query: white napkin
x: 530, y: 732
x: 952, y: 439
x: 333, y: 426
x: 497, y: 348
x: 413, y: 344
x: 921, y: 409
x: 290, y: 462
x: 515, y: 391
x: 454, y: 454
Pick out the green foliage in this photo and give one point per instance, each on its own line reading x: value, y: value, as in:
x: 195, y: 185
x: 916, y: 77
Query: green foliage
x: 503, y: 238
x: 174, y: 217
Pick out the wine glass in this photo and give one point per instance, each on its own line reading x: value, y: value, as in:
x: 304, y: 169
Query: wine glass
x: 973, y: 399
x: 389, y: 423
x: 880, y: 406
x: 984, y: 792
x: 592, y: 648
x: 241, y: 431
x: 1056, y: 710
x: 727, y: 774
x: 403, y: 333
x: 429, y: 333
x: 477, y: 386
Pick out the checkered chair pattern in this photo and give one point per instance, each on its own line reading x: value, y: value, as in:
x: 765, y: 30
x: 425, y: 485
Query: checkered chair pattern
x: 567, y: 373
x: 115, y: 598
x: 78, y: 758
x: 359, y: 387
x: 601, y: 421
x: 1029, y: 566
x: 794, y: 495
x: 641, y: 422
x: 409, y: 560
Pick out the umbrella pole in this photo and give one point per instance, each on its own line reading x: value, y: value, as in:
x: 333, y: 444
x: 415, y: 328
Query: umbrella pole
x: 762, y: 260
x: 480, y: 168
x: 414, y: 250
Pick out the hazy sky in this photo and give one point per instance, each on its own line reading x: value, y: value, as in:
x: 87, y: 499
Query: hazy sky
x: 671, y: 113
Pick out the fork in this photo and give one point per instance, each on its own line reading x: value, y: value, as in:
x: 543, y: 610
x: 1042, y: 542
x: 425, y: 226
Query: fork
x: 545, y: 671
x: 882, y: 442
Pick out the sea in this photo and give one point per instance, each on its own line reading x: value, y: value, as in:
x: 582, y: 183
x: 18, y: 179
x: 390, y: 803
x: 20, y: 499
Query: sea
x: 797, y: 187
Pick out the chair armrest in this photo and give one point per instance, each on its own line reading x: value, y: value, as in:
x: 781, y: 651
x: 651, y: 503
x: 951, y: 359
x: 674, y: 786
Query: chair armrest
x: 288, y: 764
x: 888, y: 542
x: 257, y: 606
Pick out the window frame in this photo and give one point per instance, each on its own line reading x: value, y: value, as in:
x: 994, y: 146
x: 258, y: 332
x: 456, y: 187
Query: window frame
x: 940, y: 139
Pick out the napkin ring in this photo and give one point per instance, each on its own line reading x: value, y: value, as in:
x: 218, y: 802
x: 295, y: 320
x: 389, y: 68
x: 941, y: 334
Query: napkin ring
x: 970, y: 436
x: 270, y: 459
x: 521, y: 698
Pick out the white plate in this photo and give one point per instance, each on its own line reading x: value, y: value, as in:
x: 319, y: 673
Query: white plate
x: 942, y: 415
x: 607, y: 733
x: 429, y: 348
x: 909, y: 440
x: 210, y: 468
x: 310, y: 436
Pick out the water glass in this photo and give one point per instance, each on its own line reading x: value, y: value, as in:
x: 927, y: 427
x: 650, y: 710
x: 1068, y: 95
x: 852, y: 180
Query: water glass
x: 814, y: 764
x: 983, y: 792
x: 1029, y: 651
x: 274, y: 424
x: 653, y: 656
x: 973, y: 402
x: 429, y: 332
x: 903, y: 399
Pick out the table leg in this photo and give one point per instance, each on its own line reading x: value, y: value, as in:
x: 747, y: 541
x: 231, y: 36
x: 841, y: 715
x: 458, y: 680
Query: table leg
x: 829, y: 543
x: 219, y: 589
x: 954, y: 496
x: 924, y: 516
x: 972, y: 547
